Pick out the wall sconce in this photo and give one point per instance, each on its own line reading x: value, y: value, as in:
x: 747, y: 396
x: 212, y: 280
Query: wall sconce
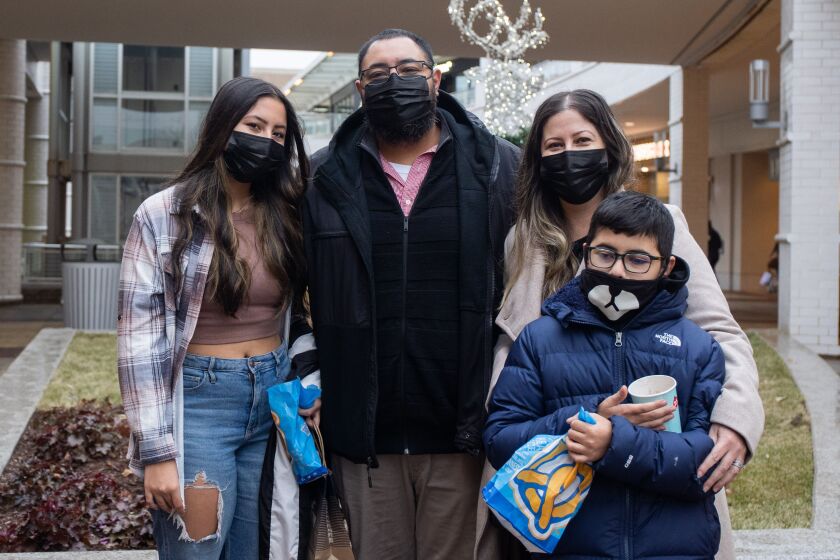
x: 760, y: 94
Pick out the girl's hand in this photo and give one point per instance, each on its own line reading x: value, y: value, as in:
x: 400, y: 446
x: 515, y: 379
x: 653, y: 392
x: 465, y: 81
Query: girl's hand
x: 312, y: 415
x: 586, y: 442
x: 652, y: 415
x: 161, y: 486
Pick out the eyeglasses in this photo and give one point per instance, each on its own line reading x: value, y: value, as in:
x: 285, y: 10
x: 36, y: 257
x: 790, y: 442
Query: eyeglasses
x: 634, y: 262
x: 405, y: 69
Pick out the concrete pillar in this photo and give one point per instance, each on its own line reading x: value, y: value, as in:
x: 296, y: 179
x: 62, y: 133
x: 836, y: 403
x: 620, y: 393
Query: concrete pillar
x: 689, y: 135
x: 809, y: 186
x: 35, y: 180
x: 12, y: 113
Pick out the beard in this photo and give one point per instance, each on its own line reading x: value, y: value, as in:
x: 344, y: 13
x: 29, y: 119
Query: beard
x: 394, y: 131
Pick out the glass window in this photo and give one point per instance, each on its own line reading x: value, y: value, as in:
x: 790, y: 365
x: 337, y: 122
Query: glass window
x: 106, y: 57
x: 153, y: 124
x: 201, y: 72
x: 103, y: 208
x: 153, y: 68
x: 104, y: 124
x: 133, y: 191
x: 194, y: 119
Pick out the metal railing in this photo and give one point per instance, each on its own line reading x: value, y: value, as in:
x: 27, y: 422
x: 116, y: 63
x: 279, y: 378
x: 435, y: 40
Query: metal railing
x: 321, y: 124
x: 42, y: 261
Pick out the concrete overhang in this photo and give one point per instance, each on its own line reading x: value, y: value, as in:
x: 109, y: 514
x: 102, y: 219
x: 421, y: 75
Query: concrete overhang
x: 643, y: 31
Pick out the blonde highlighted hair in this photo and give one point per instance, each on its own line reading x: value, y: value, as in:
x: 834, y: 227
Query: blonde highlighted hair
x: 540, y: 222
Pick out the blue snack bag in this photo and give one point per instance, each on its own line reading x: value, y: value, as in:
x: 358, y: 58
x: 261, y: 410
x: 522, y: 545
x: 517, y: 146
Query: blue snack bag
x: 539, y: 490
x: 284, y: 400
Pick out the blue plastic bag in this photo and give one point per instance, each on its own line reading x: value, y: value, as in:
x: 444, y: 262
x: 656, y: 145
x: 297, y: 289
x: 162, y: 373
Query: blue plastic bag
x: 539, y: 490
x: 284, y: 400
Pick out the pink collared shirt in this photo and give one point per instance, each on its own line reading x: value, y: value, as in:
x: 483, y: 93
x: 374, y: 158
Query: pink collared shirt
x: 407, y: 190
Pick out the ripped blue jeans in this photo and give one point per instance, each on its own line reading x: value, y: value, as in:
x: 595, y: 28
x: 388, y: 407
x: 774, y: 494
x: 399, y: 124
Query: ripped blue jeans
x: 227, y: 422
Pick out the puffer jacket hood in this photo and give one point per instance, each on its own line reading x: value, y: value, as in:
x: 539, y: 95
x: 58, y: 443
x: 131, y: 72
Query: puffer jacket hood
x: 569, y: 303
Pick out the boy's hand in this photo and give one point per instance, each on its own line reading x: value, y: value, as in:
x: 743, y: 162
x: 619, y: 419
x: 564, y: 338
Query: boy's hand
x: 652, y: 415
x: 588, y: 442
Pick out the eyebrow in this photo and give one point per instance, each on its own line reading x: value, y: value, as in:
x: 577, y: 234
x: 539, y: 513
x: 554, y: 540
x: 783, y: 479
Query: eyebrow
x: 385, y: 65
x: 262, y: 120
x: 578, y: 133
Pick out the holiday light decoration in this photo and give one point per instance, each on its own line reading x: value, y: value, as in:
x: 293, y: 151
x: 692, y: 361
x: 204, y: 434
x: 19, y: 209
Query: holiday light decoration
x: 509, y: 81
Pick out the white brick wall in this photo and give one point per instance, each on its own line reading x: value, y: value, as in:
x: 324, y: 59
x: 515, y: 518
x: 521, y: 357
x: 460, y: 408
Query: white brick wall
x: 12, y: 110
x: 809, y: 300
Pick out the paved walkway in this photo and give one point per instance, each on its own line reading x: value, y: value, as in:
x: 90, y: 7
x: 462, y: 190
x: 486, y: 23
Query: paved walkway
x: 20, y: 323
x: 24, y: 382
x: 821, y: 388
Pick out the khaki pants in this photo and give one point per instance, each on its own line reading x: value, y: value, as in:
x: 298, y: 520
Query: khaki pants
x: 421, y: 507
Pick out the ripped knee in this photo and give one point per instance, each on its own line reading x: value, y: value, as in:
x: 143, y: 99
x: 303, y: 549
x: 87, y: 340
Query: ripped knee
x: 203, y: 504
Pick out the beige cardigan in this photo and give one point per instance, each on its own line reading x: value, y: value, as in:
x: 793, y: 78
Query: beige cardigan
x: 738, y: 407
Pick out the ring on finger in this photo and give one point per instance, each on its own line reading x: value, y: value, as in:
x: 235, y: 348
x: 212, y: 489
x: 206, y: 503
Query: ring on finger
x: 738, y: 464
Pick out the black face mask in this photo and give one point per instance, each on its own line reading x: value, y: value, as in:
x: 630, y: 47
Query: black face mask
x: 400, y: 109
x: 249, y: 158
x: 575, y: 175
x: 615, y: 297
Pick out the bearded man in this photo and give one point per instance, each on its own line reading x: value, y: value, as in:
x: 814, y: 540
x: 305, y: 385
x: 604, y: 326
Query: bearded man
x: 405, y: 221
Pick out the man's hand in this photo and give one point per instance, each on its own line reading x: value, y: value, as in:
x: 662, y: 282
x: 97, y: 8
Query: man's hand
x: 312, y: 415
x: 729, y: 454
x: 588, y: 442
x: 652, y: 415
x: 161, y: 486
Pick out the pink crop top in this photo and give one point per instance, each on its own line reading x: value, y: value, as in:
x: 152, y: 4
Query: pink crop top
x: 257, y: 316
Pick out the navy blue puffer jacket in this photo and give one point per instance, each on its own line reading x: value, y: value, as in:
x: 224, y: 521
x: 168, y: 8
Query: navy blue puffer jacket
x: 646, y: 500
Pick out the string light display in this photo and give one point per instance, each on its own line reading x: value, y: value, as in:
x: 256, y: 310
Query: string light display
x: 509, y: 81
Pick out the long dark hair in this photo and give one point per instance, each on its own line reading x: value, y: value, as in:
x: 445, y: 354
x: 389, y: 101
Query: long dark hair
x: 276, y: 203
x: 540, y: 221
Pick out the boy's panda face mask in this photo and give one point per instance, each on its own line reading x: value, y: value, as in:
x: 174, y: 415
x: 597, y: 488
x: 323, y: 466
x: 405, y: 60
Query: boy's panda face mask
x: 614, y: 296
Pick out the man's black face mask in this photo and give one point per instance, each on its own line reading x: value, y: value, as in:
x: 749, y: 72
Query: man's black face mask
x: 400, y: 110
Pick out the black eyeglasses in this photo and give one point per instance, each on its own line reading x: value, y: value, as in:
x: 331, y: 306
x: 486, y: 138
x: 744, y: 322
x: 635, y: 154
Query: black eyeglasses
x: 635, y: 262
x: 405, y: 69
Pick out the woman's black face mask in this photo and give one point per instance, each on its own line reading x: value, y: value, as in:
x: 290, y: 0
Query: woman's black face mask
x: 576, y: 176
x: 249, y: 157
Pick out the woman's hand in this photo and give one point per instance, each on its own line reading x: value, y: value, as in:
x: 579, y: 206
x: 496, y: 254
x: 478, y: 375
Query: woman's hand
x: 587, y: 442
x: 162, y: 487
x: 652, y: 415
x: 312, y: 415
x: 729, y: 454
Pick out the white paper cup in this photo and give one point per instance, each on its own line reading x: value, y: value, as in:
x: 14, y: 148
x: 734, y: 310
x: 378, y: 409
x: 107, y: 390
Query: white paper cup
x: 658, y: 388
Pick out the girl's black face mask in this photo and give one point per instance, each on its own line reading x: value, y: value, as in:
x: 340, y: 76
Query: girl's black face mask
x: 615, y: 297
x: 398, y: 101
x: 249, y: 158
x: 575, y: 175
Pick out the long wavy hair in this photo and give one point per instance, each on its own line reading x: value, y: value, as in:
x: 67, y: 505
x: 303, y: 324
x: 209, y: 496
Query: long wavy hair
x: 276, y: 202
x: 540, y: 224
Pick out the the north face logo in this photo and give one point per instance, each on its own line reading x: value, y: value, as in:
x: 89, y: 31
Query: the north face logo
x: 669, y: 339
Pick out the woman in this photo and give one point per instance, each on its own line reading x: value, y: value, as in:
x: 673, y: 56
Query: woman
x: 212, y: 268
x: 575, y: 155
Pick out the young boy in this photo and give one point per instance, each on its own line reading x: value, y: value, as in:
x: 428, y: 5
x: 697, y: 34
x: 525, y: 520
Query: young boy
x: 620, y: 320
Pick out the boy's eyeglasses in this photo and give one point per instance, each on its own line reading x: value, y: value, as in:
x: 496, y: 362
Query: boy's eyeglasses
x: 634, y: 262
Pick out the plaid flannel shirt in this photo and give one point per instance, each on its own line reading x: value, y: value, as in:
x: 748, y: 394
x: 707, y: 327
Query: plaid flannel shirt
x: 156, y: 322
